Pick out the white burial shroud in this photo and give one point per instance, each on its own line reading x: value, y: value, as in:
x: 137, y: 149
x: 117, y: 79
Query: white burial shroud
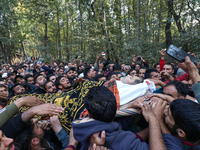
x: 129, y: 92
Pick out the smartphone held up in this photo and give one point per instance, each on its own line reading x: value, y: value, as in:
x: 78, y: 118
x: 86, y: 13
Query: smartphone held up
x: 178, y: 53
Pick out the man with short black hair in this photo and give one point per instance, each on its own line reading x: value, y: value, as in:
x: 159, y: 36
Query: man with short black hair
x: 90, y: 73
x: 169, y: 68
x: 142, y: 72
x: 19, y: 79
x: 50, y: 87
x: 39, y: 81
x: 29, y: 79
x: 63, y: 83
x: 69, y: 73
x: 17, y: 89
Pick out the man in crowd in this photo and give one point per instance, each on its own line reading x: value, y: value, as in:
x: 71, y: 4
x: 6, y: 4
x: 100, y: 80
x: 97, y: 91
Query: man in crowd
x: 50, y: 87
x: 89, y: 73
x: 39, y: 81
x: 69, y: 72
x: 62, y: 83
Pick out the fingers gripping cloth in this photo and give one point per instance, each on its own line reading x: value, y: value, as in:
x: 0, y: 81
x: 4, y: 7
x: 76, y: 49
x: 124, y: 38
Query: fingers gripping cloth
x: 72, y: 101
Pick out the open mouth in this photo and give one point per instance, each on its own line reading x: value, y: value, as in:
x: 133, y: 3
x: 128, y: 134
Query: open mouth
x: 11, y: 147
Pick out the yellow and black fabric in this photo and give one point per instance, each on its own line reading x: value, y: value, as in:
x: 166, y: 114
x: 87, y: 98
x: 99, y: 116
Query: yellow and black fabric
x: 72, y: 101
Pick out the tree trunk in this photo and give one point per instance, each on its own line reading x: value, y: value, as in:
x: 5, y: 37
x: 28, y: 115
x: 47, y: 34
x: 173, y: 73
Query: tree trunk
x: 81, y: 42
x: 104, y: 27
x: 59, y: 42
x: 168, y: 24
x: 3, y: 52
x: 138, y: 25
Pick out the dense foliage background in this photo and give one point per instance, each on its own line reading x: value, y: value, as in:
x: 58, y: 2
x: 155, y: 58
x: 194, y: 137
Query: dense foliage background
x: 61, y: 29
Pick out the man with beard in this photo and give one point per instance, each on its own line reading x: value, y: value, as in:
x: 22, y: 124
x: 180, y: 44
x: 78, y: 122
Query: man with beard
x: 50, y: 87
x: 69, y: 73
x: 17, y: 89
x: 19, y: 79
x: 39, y: 81
x: 29, y: 79
x: 62, y: 83
x: 3, y: 96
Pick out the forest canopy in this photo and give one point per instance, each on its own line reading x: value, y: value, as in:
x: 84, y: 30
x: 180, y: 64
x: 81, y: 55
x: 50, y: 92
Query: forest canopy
x: 61, y: 29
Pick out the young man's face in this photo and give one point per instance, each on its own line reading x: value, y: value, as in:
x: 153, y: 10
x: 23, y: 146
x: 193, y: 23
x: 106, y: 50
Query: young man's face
x: 133, y: 73
x: 50, y: 87
x: 75, y: 74
x: 158, y: 68
x: 43, y: 73
x: 155, y: 75
x: 30, y: 80
x: 92, y: 73
x: 20, y: 80
x: 13, y: 75
x: 65, y: 83
x: 6, y: 143
x: 137, y: 67
x: 171, y: 91
x: 53, y: 79
x: 41, y: 80
x: 3, y: 90
x: 18, y: 90
x: 168, y: 69
x: 61, y: 72
x: 69, y: 65
x: 70, y: 74
x: 142, y: 73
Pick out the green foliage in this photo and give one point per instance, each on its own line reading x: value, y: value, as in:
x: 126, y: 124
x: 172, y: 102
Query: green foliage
x: 79, y: 27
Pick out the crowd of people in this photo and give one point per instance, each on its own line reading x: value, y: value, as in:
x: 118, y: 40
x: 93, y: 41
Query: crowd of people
x: 126, y: 107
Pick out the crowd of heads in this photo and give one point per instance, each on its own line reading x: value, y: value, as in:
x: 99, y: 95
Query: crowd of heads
x: 182, y: 113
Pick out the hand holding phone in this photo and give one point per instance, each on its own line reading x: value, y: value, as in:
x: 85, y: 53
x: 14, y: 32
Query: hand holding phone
x: 178, y: 54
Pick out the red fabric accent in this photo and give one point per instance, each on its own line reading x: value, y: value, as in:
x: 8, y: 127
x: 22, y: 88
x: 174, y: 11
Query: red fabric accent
x: 182, y: 77
x: 186, y: 143
x: 3, y: 106
x: 148, y: 82
x: 139, y: 137
x: 70, y: 147
x: 162, y: 63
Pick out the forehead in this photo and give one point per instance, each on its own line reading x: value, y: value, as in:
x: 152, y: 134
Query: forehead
x: 2, y: 88
x: 70, y: 71
x: 52, y: 77
x: 154, y: 73
x: 18, y: 86
x: 134, y: 71
x: 49, y: 84
x: 18, y: 78
x: 167, y: 66
x: 157, y: 65
x: 170, y: 89
x: 30, y: 78
x: 142, y: 70
x: 63, y: 78
x: 40, y: 77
